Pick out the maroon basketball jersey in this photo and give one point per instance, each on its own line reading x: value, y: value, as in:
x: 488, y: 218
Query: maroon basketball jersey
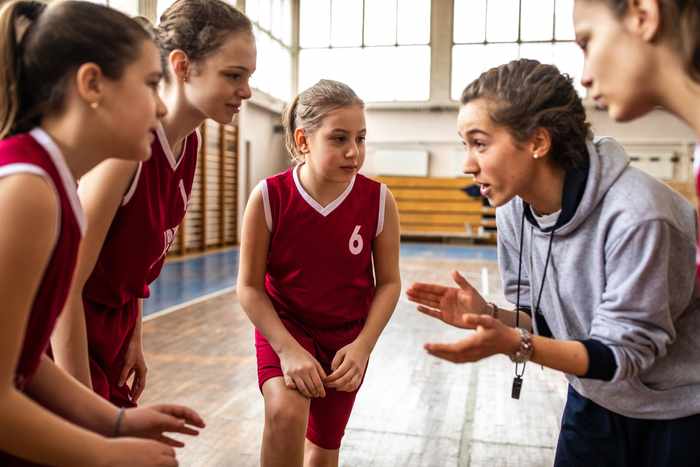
x: 145, y: 224
x: 36, y: 153
x: 319, y: 265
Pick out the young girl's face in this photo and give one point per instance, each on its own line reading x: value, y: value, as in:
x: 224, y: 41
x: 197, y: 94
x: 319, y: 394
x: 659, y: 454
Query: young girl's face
x: 336, y: 150
x: 502, y: 168
x: 618, y: 67
x: 132, y: 107
x: 218, y: 84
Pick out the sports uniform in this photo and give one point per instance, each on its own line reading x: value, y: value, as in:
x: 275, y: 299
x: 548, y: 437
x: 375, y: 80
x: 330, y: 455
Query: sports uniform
x: 320, y: 280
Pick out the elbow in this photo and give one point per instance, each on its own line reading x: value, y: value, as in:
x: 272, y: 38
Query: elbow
x: 634, y: 360
x: 392, y: 284
x: 246, y: 295
x: 636, y: 347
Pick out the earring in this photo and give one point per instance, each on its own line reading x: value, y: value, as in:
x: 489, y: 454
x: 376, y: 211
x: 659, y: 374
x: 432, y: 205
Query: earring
x: 94, y: 105
x: 535, y: 156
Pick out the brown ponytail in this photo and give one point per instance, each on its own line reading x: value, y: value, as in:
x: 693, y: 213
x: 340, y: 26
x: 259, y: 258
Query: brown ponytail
x: 15, y: 19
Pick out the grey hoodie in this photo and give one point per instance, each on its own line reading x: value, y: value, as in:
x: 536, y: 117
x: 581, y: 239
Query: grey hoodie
x: 621, y: 271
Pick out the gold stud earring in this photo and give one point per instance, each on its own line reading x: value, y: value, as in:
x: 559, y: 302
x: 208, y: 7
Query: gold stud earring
x: 94, y: 105
x: 536, y: 156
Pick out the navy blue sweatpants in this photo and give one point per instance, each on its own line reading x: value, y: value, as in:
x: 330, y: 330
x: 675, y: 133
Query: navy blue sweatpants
x: 592, y: 435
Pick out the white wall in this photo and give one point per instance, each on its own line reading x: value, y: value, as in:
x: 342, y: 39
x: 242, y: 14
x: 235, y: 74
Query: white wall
x: 436, y: 131
x: 401, y: 126
x: 261, y: 150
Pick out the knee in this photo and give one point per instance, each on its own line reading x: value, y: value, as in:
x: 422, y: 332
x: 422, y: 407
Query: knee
x: 316, y: 456
x: 282, y: 417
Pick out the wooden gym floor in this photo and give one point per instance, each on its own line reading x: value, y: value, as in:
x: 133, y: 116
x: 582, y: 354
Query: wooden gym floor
x: 413, y: 410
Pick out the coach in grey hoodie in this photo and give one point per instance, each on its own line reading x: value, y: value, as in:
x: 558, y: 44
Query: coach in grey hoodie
x: 604, y: 275
x: 621, y: 276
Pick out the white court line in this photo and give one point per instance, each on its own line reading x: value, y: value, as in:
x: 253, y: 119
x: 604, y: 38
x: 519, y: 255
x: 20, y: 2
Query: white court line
x: 194, y: 301
x: 485, y: 282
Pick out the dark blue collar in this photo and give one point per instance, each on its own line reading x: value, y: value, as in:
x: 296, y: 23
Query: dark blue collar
x: 574, y: 187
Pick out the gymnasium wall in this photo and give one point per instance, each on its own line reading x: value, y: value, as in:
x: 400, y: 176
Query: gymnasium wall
x: 436, y: 131
x: 260, y: 148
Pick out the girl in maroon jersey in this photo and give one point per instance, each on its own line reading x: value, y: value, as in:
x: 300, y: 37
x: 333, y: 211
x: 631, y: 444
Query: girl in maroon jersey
x: 79, y: 86
x: 134, y: 209
x: 314, y: 239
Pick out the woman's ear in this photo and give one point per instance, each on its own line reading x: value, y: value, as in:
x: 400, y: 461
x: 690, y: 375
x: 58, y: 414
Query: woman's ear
x: 540, y: 143
x: 89, y: 82
x: 643, y: 18
x: 179, y: 64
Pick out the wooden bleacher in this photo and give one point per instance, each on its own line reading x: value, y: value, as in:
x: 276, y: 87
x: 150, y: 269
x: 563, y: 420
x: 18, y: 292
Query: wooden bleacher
x: 685, y: 188
x: 435, y: 207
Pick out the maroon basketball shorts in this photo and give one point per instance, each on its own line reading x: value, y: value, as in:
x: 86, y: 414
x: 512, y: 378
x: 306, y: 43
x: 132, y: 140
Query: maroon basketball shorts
x: 328, y: 416
x: 109, y: 333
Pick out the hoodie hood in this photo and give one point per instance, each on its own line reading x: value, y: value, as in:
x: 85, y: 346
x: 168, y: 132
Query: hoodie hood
x: 585, y: 187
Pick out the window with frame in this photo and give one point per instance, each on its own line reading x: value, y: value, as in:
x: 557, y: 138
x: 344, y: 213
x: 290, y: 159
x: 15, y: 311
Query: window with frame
x: 489, y: 33
x: 272, y: 25
x: 380, y: 48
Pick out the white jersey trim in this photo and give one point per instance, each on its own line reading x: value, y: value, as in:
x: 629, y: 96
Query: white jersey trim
x: 266, y: 204
x: 382, y: 208
x: 134, y: 183
x: 183, y: 193
x: 69, y: 183
x: 21, y: 167
x: 167, y: 150
x: 199, y: 140
x: 24, y: 168
x: 330, y: 207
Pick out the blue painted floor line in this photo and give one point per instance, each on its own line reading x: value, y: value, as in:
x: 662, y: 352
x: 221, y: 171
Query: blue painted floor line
x: 186, y: 280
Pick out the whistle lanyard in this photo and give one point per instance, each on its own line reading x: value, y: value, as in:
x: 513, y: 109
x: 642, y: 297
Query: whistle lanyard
x: 520, y: 367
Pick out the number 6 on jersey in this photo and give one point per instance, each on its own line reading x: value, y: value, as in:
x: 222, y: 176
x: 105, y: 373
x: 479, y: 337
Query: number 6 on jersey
x: 355, y: 243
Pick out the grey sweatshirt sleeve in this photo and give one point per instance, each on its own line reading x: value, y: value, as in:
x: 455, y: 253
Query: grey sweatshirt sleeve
x: 508, y: 250
x: 634, y: 317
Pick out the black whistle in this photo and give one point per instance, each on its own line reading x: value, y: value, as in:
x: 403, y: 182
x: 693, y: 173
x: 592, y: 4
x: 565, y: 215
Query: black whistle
x: 517, y: 386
